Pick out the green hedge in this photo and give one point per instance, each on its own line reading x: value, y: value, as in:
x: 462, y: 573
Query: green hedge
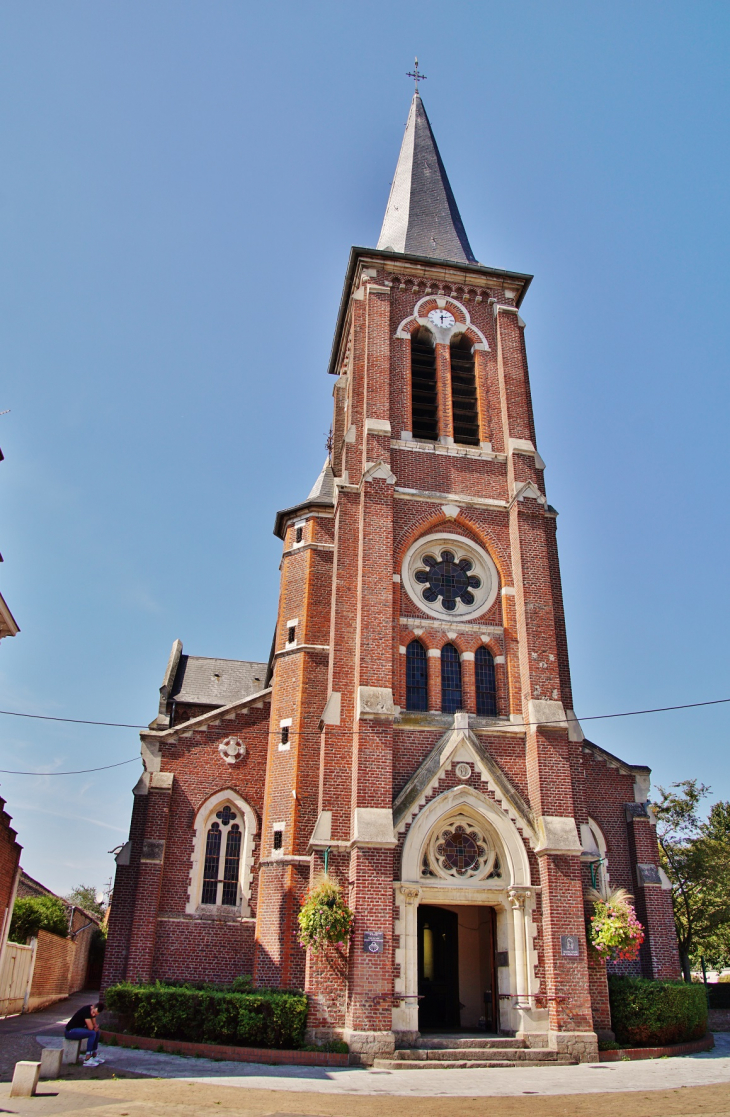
x: 32, y: 914
x: 653, y: 1013
x: 262, y: 1018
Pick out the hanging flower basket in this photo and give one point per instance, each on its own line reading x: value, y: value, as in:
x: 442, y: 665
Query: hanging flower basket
x: 614, y: 932
x: 325, y: 917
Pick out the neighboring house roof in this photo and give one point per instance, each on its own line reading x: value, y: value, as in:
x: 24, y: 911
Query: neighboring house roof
x: 422, y: 216
x: 8, y: 625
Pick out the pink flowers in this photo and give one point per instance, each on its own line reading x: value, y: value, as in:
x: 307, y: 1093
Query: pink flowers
x: 615, y: 933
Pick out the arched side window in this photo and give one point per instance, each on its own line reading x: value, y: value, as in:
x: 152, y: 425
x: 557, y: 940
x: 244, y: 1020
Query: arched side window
x: 486, y: 683
x: 416, y: 677
x: 599, y: 867
x: 222, y: 856
x: 424, y: 394
x: 464, y: 392
x: 450, y: 680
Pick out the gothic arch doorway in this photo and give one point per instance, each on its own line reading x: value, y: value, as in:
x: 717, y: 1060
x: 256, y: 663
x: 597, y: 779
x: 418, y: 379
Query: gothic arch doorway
x: 457, y: 979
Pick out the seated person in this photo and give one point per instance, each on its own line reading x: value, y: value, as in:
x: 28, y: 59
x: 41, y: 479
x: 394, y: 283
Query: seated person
x: 84, y: 1025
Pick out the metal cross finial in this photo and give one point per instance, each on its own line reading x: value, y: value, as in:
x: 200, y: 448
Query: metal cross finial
x: 416, y: 76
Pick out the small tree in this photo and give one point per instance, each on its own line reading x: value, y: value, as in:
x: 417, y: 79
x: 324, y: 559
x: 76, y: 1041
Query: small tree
x: 695, y: 855
x: 32, y: 914
x: 84, y: 896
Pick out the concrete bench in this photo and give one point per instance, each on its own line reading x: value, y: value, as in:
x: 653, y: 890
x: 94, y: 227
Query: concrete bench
x: 25, y: 1079
x: 51, y: 1062
x: 72, y: 1048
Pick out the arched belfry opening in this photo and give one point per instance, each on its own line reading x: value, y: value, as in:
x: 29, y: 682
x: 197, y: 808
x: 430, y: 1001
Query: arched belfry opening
x: 424, y: 391
x: 464, y: 392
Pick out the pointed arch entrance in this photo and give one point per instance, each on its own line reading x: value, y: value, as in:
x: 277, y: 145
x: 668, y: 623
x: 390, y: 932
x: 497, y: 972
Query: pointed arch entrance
x: 465, y: 920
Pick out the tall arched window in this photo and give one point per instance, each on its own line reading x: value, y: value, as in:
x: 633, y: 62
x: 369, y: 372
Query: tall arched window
x: 464, y: 392
x: 424, y: 397
x: 486, y: 683
x: 416, y: 677
x: 221, y: 873
x: 450, y: 680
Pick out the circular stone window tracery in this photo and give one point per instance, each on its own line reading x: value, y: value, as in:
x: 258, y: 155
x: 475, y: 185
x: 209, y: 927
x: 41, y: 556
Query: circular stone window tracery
x: 462, y: 850
x: 449, y: 576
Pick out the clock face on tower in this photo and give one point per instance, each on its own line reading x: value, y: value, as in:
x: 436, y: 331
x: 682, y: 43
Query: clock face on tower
x: 442, y: 318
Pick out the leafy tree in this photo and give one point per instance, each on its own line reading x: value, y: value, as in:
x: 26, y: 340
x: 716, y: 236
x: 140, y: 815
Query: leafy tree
x: 695, y: 854
x: 84, y: 896
x: 32, y: 914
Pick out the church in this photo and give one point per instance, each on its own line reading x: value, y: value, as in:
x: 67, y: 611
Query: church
x: 413, y: 729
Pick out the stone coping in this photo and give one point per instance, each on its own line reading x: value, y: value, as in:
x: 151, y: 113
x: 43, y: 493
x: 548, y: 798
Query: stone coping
x: 270, y: 1055
x: 692, y: 1048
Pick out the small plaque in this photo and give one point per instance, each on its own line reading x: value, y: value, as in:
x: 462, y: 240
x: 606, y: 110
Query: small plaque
x: 372, y: 942
x: 503, y: 957
x: 570, y: 946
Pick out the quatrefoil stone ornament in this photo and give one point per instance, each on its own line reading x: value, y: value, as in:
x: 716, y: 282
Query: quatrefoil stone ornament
x: 231, y: 750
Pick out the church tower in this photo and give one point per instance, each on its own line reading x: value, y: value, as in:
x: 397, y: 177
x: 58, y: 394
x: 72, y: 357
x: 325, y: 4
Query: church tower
x: 423, y: 743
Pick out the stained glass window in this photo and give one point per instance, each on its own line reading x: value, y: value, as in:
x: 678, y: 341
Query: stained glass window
x: 445, y: 578
x: 216, y: 890
x: 212, y: 858
x: 486, y: 683
x: 450, y: 680
x: 416, y: 677
x: 230, y: 871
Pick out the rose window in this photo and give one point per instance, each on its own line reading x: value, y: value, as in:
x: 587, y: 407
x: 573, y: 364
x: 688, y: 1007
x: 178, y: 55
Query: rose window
x: 446, y: 578
x: 462, y: 850
x: 449, y: 576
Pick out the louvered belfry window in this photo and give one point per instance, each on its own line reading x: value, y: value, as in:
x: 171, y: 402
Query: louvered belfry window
x: 464, y: 392
x: 486, y: 683
x: 416, y: 677
x: 424, y: 396
x: 450, y: 680
x: 217, y: 888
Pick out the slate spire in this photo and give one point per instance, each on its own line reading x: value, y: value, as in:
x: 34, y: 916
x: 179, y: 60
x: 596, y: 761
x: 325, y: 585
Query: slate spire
x: 422, y: 217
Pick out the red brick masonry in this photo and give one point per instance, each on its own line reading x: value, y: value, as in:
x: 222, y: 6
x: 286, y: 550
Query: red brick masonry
x: 268, y: 1055
x: 705, y: 1044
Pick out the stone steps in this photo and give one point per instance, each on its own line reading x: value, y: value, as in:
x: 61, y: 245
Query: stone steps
x: 446, y: 1055
x: 458, y: 1043
x: 511, y: 1059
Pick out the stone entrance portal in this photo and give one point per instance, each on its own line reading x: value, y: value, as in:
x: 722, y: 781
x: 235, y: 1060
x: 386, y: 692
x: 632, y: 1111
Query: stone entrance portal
x: 457, y: 987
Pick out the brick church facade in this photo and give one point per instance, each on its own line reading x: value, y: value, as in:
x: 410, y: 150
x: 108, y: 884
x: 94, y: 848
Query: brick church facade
x: 413, y: 729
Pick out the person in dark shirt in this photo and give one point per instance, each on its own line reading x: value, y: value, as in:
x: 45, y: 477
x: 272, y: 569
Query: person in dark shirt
x: 85, y: 1025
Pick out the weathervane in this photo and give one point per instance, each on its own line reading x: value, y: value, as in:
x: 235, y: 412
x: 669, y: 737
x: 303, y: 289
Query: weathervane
x: 416, y: 76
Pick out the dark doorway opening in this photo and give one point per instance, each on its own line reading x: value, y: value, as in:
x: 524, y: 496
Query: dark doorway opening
x: 438, y: 968
x: 457, y: 974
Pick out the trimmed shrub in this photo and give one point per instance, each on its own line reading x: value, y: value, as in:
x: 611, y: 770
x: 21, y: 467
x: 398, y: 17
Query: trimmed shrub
x: 32, y: 914
x: 648, y: 1013
x: 261, y: 1018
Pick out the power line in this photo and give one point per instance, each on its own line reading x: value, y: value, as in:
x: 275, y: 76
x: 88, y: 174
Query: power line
x: 80, y: 772
x: 73, y: 721
x: 122, y: 725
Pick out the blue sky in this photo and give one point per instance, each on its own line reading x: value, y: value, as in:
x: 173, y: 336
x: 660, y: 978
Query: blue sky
x: 181, y: 185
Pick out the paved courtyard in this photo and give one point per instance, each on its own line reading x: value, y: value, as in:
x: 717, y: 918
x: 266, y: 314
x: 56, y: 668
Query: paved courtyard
x: 139, y: 1082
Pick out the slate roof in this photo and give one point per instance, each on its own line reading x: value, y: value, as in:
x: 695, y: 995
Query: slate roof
x: 422, y: 217
x: 216, y: 682
x: 322, y: 494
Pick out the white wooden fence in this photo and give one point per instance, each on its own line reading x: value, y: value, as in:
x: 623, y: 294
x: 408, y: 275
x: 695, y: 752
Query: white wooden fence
x: 16, y: 976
